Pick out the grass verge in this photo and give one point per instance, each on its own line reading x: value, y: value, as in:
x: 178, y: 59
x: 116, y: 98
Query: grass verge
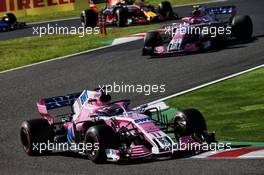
x: 24, y: 51
x: 233, y: 108
x: 76, y: 13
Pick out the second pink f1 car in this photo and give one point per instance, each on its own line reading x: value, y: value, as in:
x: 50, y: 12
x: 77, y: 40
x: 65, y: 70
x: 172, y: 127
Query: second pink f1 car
x: 116, y: 132
x: 207, y: 28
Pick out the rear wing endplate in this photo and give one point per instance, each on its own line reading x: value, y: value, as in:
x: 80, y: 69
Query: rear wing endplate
x: 45, y: 104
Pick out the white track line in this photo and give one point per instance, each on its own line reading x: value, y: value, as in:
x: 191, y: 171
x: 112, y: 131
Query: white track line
x: 259, y: 154
x: 59, y: 58
x: 254, y: 154
x: 209, y: 153
x: 206, y: 84
x: 55, y: 20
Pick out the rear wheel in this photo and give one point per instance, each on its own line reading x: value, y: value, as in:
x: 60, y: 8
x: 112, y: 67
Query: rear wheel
x: 151, y: 40
x: 242, y: 27
x: 101, y: 137
x: 89, y: 18
x: 165, y: 9
x: 216, y: 42
x: 33, y: 133
x: 10, y: 19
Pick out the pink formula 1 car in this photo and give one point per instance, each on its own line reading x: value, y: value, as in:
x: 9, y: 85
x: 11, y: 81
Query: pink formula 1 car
x: 207, y: 28
x: 107, y: 130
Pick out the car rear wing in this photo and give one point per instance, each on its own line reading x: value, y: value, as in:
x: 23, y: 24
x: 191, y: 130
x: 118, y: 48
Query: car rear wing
x: 221, y: 10
x: 46, y: 104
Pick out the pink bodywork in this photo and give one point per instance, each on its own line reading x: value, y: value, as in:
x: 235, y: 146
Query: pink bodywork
x: 85, y: 107
x: 44, y: 112
x: 127, y: 119
x: 179, y: 36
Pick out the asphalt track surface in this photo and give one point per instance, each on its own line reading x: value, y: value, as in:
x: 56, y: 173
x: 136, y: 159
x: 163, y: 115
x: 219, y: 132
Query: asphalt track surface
x: 20, y: 89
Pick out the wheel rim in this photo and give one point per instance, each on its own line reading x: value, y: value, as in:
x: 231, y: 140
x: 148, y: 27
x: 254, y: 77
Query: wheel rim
x: 180, y: 124
x: 25, y: 139
x: 92, y: 153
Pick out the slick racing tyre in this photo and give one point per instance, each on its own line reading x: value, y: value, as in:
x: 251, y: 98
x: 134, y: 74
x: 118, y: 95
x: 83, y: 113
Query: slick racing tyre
x: 121, y: 16
x: 100, y: 137
x: 189, y: 122
x: 242, y: 27
x: 33, y: 133
x: 165, y: 9
x: 216, y: 42
x: 89, y: 18
x: 151, y: 40
x: 10, y: 19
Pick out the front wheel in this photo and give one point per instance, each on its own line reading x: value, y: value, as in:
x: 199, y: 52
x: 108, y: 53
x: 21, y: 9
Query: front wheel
x: 121, y: 17
x: 189, y: 122
x: 165, y: 9
x: 151, y: 40
x: 100, y: 137
x: 89, y: 18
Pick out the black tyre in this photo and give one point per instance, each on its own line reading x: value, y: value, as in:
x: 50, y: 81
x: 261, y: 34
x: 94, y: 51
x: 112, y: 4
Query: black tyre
x: 89, y: 18
x: 165, y: 9
x: 151, y: 40
x: 10, y: 19
x: 217, y: 42
x: 121, y: 17
x: 101, y: 137
x: 33, y: 133
x: 189, y: 122
x: 242, y: 27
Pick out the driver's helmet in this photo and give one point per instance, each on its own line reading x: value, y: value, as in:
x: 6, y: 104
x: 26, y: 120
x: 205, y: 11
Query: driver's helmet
x: 110, y: 110
x: 198, y: 11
